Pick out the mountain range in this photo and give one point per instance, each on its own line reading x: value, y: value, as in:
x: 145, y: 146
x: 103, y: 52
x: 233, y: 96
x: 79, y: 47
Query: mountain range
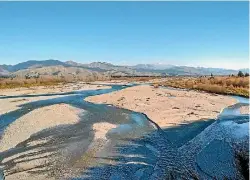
x: 56, y: 67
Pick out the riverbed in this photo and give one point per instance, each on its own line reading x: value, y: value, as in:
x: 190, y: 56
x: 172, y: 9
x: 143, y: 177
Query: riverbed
x: 102, y: 141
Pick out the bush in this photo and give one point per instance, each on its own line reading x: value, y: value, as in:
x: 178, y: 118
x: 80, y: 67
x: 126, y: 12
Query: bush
x: 240, y: 74
x: 218, y: 84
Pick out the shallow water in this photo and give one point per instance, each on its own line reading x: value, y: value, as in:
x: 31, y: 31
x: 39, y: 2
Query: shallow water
x: 234, y: 110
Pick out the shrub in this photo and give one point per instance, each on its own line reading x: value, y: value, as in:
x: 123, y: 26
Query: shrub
x: 240, y: 74
x: 222, y: 85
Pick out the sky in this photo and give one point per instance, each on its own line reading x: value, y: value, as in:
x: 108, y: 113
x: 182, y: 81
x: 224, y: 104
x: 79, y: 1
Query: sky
x: 207, y: 34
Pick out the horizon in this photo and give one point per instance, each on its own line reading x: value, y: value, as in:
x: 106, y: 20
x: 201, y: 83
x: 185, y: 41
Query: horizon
x: 195, y: 34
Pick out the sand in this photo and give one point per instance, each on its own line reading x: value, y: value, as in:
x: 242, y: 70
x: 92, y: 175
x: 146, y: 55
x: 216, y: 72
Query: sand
x: 244, y: 110
x: 167, y: 107
x: 37, y: 120
x: 101, y: 129
x: 8, y: 105
x: 28, y: 125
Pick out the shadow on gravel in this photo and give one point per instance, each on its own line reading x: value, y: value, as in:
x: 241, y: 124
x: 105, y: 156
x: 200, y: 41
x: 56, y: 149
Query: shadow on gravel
x: 138, y: 159
x: 133, y: 158
x: 128, y: 158
x: 70, y: 140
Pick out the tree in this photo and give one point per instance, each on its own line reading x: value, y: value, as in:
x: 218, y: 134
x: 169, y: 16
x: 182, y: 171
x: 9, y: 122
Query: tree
x: 240, y: 74
x: 246, y: 74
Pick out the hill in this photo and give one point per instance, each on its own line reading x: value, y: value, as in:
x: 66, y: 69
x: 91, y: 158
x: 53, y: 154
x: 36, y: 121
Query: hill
x: 32, y: 64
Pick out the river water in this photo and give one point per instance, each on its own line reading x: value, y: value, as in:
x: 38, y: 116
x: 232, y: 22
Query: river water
x: 131, y: 150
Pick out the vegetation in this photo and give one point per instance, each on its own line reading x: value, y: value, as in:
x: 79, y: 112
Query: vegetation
x: 7, y: 83
x: 221, y: 84
x: 21, y: 82
x: 240, y: 74
x: 135, y: 78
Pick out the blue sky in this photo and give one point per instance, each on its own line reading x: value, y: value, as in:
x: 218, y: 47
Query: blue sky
x: 210, y: 34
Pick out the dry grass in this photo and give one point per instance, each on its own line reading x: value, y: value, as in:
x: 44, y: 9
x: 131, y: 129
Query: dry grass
x: 8, y: 83
x: 135, y: 79
x: 220, y: 84
x: 21, y: 82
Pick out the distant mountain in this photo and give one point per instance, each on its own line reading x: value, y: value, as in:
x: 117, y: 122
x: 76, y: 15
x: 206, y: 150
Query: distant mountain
x: 184, y: 70
x: 3, y: 72
x: 73, y: 63
x: 32, y: 64
x: 71, y: 67
x: 35, y: 68
x: 59, y: 70
x: 153, y: 66
x: 245, y: 70
x: 99, y: 66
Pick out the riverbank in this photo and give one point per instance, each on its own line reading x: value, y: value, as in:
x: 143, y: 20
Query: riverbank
x: 60, y: 88
x: 224, y: 85
x: 166, y: 106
